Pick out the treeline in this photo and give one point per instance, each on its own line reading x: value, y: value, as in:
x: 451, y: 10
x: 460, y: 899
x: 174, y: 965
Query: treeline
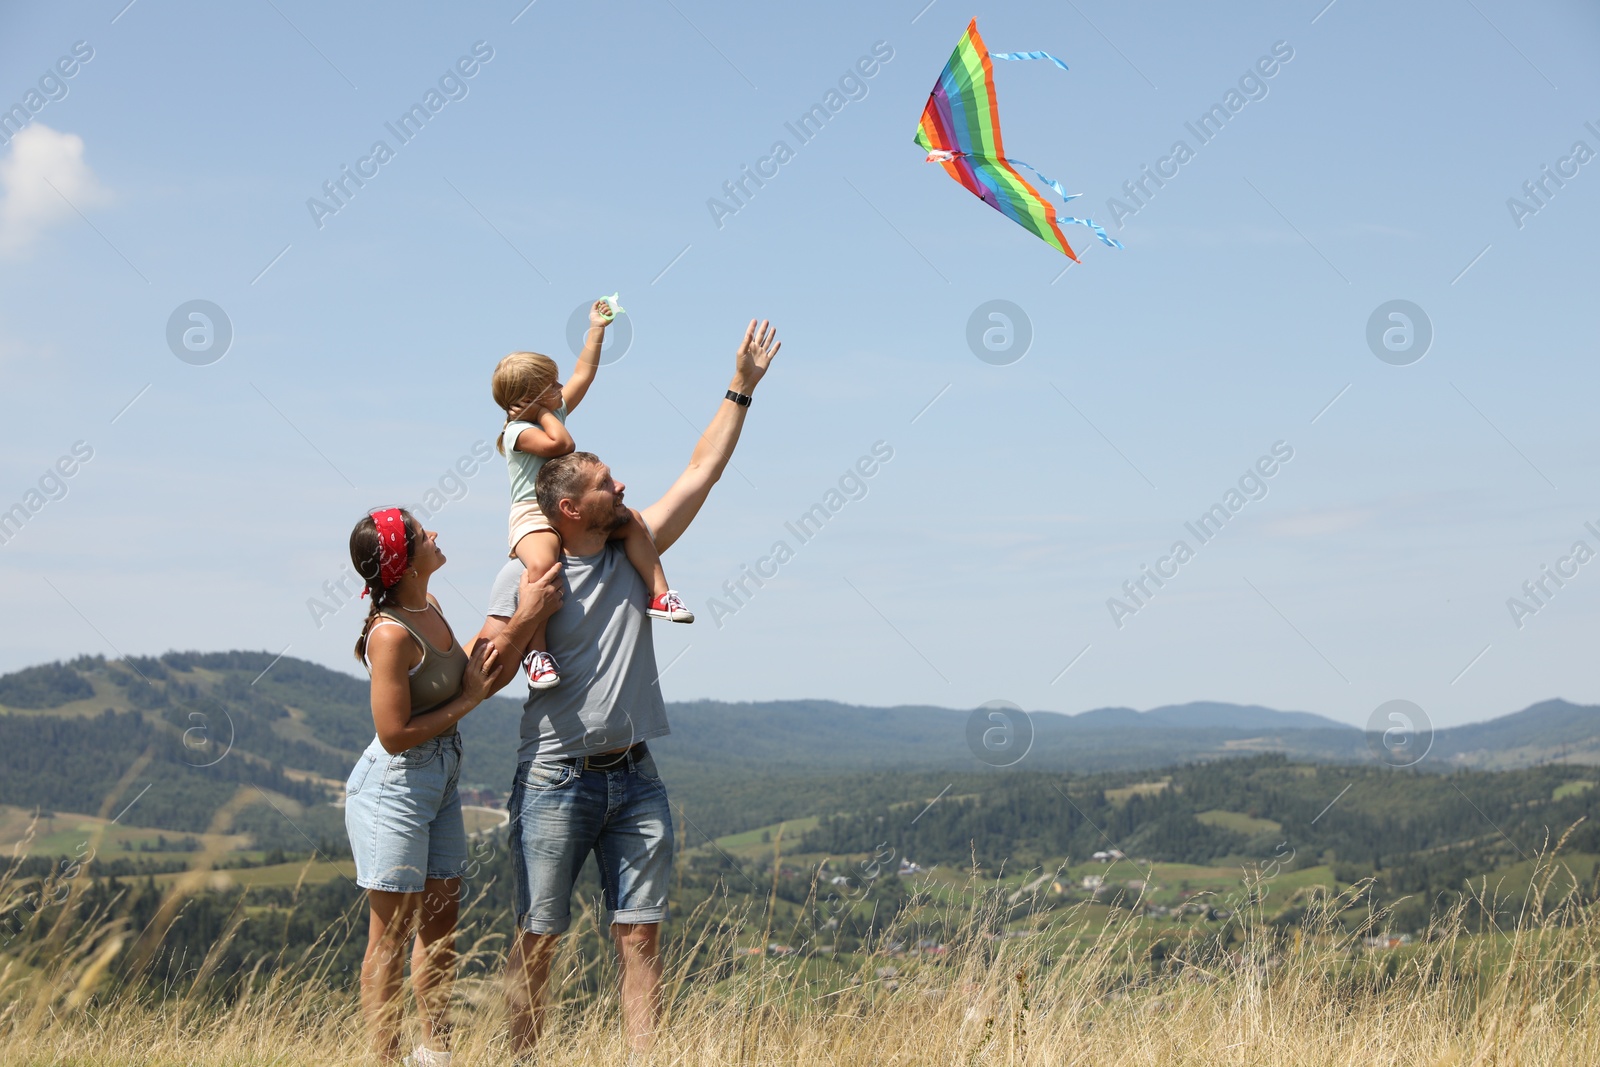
x: 1430, y: 828
x: 200, y: 727
x: 287, y: 711
x: 49, y: 685
x: 1376, y: 815
x: 77, y: 764
x: 1026, y: 819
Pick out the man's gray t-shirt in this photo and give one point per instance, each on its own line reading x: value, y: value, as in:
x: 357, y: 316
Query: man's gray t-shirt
x: 610, y: 693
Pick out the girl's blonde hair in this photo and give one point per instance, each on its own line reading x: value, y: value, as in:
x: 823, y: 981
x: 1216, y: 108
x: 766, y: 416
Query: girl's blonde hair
x: 518, y: 378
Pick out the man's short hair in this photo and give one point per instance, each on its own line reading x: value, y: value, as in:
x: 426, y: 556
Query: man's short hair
x: 563, y: 478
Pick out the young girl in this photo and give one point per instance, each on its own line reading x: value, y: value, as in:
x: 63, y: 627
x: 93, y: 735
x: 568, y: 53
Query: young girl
x: 536, y: 404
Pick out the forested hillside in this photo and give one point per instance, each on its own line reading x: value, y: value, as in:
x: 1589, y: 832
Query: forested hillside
x: 1254, y: 810
x: 121, y: 776
x: 167, y: 742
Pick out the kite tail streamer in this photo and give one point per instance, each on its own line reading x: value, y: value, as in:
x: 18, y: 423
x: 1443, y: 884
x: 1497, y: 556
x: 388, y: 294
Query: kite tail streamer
x: 1051, y: 182
x: 1099, y: 230
x: 1028, y: 55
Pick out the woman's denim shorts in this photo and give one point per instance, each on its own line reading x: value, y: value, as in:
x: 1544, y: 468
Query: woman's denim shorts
x: 403, y: 815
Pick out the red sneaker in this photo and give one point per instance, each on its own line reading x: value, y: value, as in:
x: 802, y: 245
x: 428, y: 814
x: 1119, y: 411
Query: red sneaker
x: 540, y: 667
x: 670, y: 606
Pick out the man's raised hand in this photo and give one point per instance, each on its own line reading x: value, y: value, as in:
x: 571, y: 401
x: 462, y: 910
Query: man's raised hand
x: 755, y: 354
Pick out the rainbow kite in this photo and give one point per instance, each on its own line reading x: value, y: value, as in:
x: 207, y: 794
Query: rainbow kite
x: 960, y: 129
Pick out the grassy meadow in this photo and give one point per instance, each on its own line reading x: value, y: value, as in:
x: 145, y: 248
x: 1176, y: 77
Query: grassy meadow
x: 1010, y: 984
x: 179, y: 889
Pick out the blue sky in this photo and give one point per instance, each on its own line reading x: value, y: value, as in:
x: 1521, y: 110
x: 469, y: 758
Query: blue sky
x: 580, y: 157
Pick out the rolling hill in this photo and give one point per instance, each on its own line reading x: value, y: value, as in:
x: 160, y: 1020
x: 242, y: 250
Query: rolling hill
x: 262, y: 744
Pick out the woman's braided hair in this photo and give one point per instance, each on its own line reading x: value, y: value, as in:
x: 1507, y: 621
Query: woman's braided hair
x: 366, y: 556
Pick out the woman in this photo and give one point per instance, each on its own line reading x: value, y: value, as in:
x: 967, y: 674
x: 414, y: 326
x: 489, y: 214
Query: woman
x: 402, y: 810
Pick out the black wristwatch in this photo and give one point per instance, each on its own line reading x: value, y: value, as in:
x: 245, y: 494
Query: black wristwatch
x: 742, y: 399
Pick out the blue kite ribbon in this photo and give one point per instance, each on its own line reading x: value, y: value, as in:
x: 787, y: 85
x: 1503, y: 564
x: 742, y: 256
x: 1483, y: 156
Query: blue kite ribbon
x: 1051, y: 182
x: 1099, y: 230
x: 1028, y: 55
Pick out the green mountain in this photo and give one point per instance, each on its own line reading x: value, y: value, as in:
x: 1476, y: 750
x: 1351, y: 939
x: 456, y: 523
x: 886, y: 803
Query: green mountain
x: 829, y: 816
x: 268, y: 740
x: 1552, y: 731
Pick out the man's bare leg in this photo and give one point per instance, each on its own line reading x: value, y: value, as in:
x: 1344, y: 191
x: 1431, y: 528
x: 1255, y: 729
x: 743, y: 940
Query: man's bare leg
x: 527, y: 973
x: 639, y: 950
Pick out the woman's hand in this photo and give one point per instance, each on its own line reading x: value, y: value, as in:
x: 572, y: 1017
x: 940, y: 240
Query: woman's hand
x: 482, y: 666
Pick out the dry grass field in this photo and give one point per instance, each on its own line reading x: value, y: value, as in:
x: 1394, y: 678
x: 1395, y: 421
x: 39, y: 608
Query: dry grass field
x: 1083, y: 989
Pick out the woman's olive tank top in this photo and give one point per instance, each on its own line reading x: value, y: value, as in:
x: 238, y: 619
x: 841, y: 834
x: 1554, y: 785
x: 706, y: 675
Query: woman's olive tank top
x: 437, y: 679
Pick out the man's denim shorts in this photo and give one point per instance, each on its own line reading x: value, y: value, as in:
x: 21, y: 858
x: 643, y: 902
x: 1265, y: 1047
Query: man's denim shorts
x: 403, y: 815
x: 561, y: 812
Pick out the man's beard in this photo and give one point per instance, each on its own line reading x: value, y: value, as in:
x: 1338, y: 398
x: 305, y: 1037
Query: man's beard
x: 609, y: 522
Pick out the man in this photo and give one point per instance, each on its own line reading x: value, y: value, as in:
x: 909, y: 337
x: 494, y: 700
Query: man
x: 585, y: 779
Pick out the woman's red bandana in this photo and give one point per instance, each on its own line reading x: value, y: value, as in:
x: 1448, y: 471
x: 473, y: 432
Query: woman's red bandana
x: 391, y: 545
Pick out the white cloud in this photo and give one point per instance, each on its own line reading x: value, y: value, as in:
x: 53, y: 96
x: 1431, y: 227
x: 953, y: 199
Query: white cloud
x: 44, y: 171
